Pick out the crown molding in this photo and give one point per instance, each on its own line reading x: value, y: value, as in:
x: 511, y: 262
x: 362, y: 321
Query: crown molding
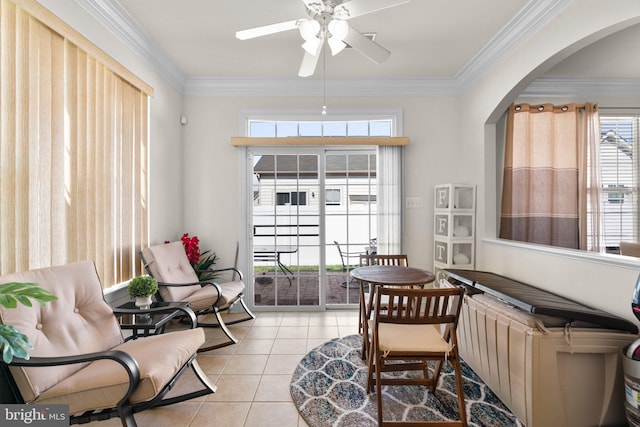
x: 315, y: 87
x: 520, y: 28
x: 555, y: 87
x: 116, y: 19
x: 528, y: 20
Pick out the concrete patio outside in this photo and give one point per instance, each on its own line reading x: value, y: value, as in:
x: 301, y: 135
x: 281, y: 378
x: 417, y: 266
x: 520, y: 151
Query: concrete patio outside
x: 305, y: 286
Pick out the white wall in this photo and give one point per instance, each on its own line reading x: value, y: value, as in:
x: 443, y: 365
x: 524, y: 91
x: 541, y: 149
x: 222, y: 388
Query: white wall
x: 195, y: 182
x: 597, y: 281
x: 452, y: 139
x: 164, y: 126
x: 212, y: 179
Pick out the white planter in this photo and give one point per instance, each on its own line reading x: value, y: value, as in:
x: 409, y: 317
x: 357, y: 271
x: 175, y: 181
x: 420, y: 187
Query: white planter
x: 143, y: 302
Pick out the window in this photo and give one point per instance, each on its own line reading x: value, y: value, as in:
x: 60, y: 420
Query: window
x: 295, y: 198
x: 333, y: 196
x: 619, y: 177
x: 287, y: 128
x: 362, y: 198
x: 329, y: 175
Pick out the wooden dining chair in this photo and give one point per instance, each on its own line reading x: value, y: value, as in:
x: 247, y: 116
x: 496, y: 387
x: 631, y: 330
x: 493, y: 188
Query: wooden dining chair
x: 418, y: 326
x: 366, y: 294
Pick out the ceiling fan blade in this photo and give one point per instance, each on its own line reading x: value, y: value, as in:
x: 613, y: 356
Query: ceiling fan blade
x: 365, y: 46
x: 351, y: 9
x: 308, y: 66
x: 316, y: 6
x: 268, y: 29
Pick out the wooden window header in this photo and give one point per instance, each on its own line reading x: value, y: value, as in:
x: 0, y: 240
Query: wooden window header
x: 240, y: 141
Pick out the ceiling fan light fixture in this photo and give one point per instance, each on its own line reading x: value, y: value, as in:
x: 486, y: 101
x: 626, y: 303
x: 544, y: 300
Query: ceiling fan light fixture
x: 338, y: 28
x: 336, y: 45
x: 309, y: 29
x: 313, y: 46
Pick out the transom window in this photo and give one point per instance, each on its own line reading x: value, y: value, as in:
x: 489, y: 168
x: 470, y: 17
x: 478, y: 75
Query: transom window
x: 289, y: 128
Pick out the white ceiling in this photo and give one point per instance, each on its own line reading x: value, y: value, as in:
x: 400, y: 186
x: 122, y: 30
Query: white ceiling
x: 427, y: 39
x: 438, y: 47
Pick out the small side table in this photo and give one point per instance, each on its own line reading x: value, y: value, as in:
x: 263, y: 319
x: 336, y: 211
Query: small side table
x: 151, y: 321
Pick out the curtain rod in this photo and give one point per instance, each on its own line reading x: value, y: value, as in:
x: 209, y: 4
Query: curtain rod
x: 619, y: 108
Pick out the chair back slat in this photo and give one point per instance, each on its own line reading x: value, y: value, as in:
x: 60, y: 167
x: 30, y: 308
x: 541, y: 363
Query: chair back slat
x: 376, y: 259
x: 418, y: 306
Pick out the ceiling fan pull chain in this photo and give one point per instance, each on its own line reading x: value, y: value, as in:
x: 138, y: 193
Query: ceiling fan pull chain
x: 324, y: 82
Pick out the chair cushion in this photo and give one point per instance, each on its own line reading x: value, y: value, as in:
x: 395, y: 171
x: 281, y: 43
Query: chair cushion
x: 102, y: 383
x: 78, y: 322
x: 395, y: 337
x: 206, y: 296
x: 169, y: 263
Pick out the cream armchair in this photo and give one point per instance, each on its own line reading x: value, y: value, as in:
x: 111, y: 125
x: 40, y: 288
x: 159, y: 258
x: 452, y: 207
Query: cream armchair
x: 178, y: 281
x: 81, y: 359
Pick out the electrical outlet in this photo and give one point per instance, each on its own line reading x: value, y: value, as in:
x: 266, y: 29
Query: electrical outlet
x: 414, y: 202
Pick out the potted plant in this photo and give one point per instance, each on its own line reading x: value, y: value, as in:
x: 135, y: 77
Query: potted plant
x: 142, y: 288
x: 203, y: 262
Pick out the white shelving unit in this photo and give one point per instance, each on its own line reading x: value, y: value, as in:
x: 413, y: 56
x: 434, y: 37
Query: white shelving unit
x: 454, y: 226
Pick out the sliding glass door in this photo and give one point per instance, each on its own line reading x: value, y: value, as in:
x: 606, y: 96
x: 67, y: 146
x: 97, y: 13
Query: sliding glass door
x: 286, y: 229
x: 350, y: 218
x: 313, y: 212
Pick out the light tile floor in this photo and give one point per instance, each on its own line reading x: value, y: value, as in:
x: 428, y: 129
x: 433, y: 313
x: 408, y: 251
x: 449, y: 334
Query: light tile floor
x: 252, y: 376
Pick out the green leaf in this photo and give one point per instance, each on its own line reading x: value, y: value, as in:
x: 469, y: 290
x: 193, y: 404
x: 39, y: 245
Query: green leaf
x: 206, y: 262
x: 24, y: 300
x: 8, y: 301
x: 12, y: 342
x: 7, y: 353
x: 13, y: 292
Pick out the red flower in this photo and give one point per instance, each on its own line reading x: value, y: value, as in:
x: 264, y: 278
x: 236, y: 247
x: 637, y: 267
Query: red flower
x: 203, y: 262
x: 192, y: 248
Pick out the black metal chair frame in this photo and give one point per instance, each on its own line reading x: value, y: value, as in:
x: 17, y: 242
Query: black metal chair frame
x: 214, y: 309
x: 124, y: 409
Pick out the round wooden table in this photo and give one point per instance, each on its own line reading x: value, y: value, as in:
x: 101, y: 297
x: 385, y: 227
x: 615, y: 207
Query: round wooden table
x: 393, y: 275
x: 389, y: 275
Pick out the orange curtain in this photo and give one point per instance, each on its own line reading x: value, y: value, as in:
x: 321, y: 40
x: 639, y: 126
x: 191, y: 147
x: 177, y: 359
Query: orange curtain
x: 545, y: 192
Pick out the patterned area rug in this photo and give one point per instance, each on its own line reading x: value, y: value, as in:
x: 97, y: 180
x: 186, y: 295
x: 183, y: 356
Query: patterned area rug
x: 329, y: 389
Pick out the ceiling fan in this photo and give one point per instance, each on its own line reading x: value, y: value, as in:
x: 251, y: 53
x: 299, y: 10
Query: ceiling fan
x: 328, y: 21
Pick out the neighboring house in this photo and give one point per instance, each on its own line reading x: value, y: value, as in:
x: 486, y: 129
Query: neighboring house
x: 294, y: 198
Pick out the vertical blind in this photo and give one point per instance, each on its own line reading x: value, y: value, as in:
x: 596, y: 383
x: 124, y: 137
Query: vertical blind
x: 73, y: 149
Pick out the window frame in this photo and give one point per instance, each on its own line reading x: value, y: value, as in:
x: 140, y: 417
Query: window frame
x: 625, y: 187
x: 246, y: 144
